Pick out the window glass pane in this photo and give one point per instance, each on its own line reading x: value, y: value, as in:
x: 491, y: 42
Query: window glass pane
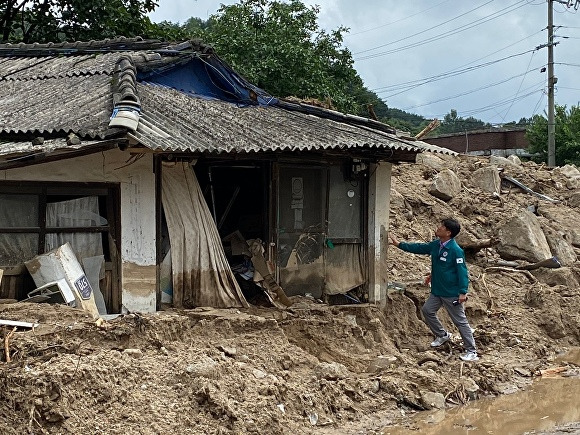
x: 18, y: 211
x: 83, y: 244
x: 80, y: 212
x: 302, y: 199
x: 344, y: 205
x: 17, y: 248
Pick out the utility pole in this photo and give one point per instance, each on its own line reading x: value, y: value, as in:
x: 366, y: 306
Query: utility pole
x: 551, y: 82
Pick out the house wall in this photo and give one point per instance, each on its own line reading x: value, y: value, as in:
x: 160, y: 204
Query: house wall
x: 378, y: 228
x: 137, y: 185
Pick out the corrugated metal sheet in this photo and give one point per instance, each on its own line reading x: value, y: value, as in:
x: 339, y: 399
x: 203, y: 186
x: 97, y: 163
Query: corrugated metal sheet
x: 172, y: 121
x: 37, y: 68
x: 79, y: 104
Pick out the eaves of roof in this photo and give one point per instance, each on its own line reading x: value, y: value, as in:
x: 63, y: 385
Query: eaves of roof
x: 174, y: 122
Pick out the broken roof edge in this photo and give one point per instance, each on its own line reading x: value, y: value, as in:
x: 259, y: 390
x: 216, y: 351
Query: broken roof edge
x: 26, y: 154
x: 365, y: 123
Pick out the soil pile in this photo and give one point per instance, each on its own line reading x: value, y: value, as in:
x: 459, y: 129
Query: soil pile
x: 312, y: 368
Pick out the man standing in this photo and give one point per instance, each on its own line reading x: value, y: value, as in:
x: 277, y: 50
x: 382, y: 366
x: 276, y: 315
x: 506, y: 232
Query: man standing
x: 449, y: 284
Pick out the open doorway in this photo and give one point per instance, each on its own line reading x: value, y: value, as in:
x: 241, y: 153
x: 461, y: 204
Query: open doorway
x: 237, y: 194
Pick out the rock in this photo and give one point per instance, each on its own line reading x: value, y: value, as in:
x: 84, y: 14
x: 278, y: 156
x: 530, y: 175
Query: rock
x: 205, y: 367
x: 397, y: 200
x: 560, y: 248
x: 135, y: 353
x: 471, y: 388
x: 514, y: 159
x: 430, y: 160
x: 502, y: 162
x: 331, y: 371
x: 563, y: 276
x: 522, y: 238
x: 566, y: 219
x: 259, y: 374
x: 380, y: 363
x: 573, y: 183
x: 38, y: 140
x: 487, y: 179
x: 569, y: 171
x: 432, y: 400
x: 574, y: 200
x: 446, y: 185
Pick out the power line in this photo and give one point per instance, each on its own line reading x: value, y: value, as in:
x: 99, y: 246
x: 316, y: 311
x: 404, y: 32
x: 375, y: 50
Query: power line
x: 423, y: 31
x: 481, y: 88
x: 521, y: 83
x: 445, y: 34
x: 416, y: 83
x: 398, y: 21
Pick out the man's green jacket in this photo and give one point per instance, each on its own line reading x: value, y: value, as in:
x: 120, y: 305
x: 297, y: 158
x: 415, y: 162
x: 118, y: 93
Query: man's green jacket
x: 449, y: 276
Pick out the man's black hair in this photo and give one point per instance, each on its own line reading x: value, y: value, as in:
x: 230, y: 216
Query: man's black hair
x: 452, y: 225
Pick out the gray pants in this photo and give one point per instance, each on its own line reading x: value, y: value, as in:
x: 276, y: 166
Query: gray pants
x: 457, y: 314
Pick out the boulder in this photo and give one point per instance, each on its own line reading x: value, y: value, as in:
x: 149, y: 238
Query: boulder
x: 567, y: 220
x: 514, y: 159
x: 430, y: 160
x: 573, y: 183
x: 569, y: 171
x: 431, y: 400
x: 574, y: 200
x: 487, y: 179
x: 560, y: 248
x: 522, y: 238
x: 445, y: 185
x: 502, y: 162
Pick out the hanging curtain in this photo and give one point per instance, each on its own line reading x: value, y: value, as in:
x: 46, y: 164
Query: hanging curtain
x: 201, y: 273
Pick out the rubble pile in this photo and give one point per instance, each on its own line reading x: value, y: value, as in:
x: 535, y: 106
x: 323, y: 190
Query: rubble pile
x: 315, y: 368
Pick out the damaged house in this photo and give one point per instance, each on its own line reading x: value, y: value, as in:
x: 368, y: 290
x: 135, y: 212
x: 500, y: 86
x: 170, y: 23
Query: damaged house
x: 157, y: 164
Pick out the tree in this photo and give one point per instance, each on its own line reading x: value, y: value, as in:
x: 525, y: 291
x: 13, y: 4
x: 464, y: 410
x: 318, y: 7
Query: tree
x: 279, y: 46
x: 452, y: 123
x: 567, y: 135
x: 74, y: 20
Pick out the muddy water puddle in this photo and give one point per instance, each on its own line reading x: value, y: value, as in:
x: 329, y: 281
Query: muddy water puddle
x: 549, y: 403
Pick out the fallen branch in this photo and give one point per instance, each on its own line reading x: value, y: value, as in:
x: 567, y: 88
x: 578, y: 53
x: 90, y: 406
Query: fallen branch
x: 7, y: 338
x: 531, y: 277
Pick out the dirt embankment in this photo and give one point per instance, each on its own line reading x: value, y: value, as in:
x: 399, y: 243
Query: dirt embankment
x: 312, y: 368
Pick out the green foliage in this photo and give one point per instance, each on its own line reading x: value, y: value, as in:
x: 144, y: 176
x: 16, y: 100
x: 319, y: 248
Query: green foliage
x: 279, y: 46
x: 74, y: 20
x: 567, y: 140
x: 455, y: 124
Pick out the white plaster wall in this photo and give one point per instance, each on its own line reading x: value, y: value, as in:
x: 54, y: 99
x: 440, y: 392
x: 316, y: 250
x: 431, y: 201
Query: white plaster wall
x: 137, y: 185
x: 378, y: 227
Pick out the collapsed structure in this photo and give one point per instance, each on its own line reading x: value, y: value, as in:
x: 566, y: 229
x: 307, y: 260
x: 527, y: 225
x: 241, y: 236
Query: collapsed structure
x: 145, y: 157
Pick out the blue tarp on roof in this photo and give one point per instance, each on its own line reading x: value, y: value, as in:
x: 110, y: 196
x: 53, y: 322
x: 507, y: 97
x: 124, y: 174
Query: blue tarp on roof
x: 208, y: 79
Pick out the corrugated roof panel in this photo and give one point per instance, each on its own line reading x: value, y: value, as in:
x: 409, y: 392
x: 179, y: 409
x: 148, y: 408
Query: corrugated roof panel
x: 200, y: 125
x: 37, y: 68
x: 49, y: 146
x: 79, y: 104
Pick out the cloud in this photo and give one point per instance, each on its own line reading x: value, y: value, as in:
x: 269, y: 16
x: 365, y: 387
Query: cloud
x: 396, y: 42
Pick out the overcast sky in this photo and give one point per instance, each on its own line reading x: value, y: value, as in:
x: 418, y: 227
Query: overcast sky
x: 412, y: 53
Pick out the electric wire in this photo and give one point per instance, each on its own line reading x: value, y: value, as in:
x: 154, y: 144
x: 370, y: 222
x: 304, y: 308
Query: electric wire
x: 425, y: 30
x: 399, y: 20
x: 520, y: 87
x: 442, y: 35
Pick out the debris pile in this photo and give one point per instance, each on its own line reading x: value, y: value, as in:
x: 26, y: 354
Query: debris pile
x: 313, y: 367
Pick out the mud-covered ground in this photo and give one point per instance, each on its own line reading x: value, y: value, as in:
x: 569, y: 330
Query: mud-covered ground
x: 312, y: 368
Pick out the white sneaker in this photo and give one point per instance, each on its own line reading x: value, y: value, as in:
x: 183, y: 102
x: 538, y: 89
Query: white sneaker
x: 469, y: 356
x: 441, y: 340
